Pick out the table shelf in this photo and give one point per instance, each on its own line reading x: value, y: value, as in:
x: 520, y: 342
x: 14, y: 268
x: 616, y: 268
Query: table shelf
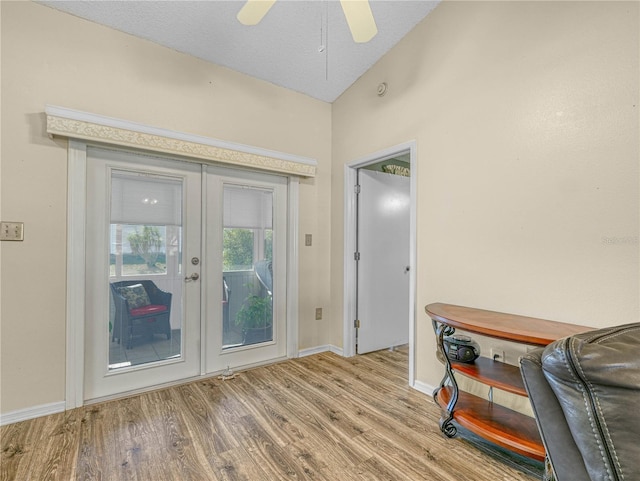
x: 502, y: 426
x: 493, y: 373
x: 498, y: 424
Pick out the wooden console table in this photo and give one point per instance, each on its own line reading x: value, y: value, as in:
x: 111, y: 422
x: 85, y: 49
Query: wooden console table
x: 500, y: 425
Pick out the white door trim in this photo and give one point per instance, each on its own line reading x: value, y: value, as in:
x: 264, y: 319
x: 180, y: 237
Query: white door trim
x: 75, y: 294
x: 76, y: 215
x: 203, y: 261
x: 349, y: 295
x: 292, y: 267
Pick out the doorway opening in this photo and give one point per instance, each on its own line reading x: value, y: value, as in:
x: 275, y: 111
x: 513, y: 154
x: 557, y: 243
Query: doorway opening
x: 377, y: 262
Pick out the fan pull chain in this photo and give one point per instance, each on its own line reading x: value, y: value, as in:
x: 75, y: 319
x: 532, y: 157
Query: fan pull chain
x: 326, y: 41
x: 324, y: 38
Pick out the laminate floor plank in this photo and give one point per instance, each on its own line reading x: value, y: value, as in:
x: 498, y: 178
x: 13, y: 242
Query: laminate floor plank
x: 313, y: 428
x: 272, y: 458
x: 238, y: 465
x: 317, y: 418
x: 185, y: 459
x: 347, y: 377
x: 18, y: 442
x: 131, y: 429
x: 208, y: 421
x: 92, y: 453
x: 395, y: 456
x: 395, y: 402
x: 270, y: 415
x: 55, y: 457
x: 374, y: 470
x: 46, y: 450
x: 325, y: 408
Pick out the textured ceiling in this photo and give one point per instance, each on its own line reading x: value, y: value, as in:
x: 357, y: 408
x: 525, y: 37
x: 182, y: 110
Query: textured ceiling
x: 284, y: 49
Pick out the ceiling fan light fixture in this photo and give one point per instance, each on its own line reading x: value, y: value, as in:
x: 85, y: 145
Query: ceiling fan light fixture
x: 253, y: 11
x: 360, y: 19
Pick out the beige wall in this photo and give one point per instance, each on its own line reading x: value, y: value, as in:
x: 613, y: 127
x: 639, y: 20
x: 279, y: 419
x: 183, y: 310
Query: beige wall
x: 526, y: 122
x: 53, y: 58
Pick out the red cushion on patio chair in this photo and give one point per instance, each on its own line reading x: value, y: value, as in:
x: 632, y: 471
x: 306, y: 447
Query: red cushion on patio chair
x: 146, y: 310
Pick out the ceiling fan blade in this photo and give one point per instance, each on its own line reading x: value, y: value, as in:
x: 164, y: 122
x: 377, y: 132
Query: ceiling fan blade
x: 254, y: 11
x: 360, y: 19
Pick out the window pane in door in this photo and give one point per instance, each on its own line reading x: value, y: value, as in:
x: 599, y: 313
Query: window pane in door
x: 145, y: 282
x: 247, y: 298
x: 237, y: 249
x: 138, y: 250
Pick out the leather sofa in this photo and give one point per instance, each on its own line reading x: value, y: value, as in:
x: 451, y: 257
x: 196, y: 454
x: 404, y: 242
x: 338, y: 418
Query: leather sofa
x: 585, y: 394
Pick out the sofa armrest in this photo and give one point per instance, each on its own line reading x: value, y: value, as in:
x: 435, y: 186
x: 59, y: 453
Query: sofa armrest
x: 562, y: 451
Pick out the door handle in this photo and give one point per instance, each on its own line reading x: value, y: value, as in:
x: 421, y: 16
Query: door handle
x: 193, y: 277
x: 406, y: 269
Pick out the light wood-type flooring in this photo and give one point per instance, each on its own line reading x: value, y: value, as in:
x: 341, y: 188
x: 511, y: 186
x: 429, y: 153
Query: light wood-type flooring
x: 321, y: 417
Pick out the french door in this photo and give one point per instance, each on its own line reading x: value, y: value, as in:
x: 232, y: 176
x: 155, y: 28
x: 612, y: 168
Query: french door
x: 246, y: 249
x: 185, y: 270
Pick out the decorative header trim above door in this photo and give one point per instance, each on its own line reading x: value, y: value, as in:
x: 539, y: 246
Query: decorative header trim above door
x: 75, y: 124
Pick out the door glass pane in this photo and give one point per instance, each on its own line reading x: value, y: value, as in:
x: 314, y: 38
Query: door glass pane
x: 145, y: 282
x: 247, y: 285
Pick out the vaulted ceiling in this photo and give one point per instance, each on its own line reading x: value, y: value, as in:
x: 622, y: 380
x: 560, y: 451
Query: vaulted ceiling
x: 302, y: 45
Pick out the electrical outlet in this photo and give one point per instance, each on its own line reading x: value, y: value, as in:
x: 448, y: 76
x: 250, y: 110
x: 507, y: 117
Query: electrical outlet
x: 307, y: 240
x: 318, y: 313
x: 11, y: 231
x: 497, y: 355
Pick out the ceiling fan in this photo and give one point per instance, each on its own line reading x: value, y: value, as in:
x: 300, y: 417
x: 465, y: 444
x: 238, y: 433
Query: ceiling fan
x: 357, y: 12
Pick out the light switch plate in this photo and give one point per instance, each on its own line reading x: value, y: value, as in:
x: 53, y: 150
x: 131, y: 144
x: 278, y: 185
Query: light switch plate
x: 307, y: 240
x: 11, y: 231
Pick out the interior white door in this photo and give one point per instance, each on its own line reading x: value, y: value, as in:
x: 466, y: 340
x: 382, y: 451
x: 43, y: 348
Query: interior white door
x: 246, y: 264
x: 383, y: 268
x: 143, y: 241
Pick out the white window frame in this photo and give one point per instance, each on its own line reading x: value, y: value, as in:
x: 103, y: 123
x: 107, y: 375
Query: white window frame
x: 83, y: 129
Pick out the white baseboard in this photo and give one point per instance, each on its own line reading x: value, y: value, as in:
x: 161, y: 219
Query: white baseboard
x: 423, y: 387
x: 31, y: 413
x: 318, y: 349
